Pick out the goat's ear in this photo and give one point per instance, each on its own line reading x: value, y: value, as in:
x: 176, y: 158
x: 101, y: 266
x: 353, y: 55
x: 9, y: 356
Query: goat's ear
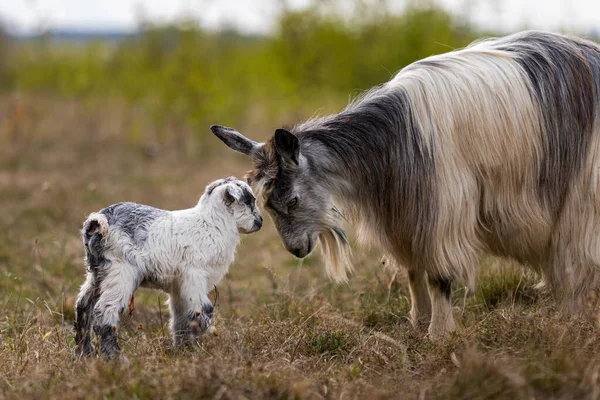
x: 287, y: 145
x: 234, y: 140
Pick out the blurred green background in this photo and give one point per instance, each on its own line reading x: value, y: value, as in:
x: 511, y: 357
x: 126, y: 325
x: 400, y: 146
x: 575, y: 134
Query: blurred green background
x: 313, y: 61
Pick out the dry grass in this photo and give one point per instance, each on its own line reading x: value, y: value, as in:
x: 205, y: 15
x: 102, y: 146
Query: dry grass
x: 284, y: 330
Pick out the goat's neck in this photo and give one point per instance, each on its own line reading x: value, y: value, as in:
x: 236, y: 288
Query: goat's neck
x: 330, y: 171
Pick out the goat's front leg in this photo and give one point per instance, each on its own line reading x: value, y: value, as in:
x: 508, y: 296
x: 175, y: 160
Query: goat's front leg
x: 86, y: 300
x: 116, y: 288
x: 442, y: 320
x: 191, y: 309
x: 420, y: 310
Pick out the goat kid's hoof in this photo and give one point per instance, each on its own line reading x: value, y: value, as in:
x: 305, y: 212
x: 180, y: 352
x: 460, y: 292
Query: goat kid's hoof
x: 124, y: 361
x: 118, y: 359
x: 85, y: 351
x: 200, y: 324
x: 202, y: 319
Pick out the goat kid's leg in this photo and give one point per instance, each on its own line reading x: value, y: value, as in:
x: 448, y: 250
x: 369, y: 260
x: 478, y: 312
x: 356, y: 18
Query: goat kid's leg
x: 442, y: 320
x: 187, y: 320
x: 194, y: 289
x: 203, y: 315
x: 116, y: 289
x: 179, y: 324
x: 86, y: 300
x: 191, y: 309
x: 420, y: 310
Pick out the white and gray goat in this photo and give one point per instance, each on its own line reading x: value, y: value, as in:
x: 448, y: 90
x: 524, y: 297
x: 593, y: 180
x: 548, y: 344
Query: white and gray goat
x: 494, y: 149
x: 184, y: 253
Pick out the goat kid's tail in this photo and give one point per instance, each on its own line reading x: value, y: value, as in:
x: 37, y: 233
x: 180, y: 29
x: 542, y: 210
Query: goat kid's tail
x: 94, y: 231
x: 95, y: 225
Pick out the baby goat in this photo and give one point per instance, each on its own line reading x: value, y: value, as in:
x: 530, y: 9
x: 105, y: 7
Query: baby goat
x: 184, y: 253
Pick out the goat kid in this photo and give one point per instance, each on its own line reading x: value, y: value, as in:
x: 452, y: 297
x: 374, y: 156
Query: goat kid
x: 183, y: 253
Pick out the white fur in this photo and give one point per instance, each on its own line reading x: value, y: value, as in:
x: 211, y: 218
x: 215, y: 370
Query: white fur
x: 185, y: 254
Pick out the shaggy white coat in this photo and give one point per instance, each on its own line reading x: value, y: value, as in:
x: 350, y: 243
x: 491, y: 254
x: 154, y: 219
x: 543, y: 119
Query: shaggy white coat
x: 184, y: 253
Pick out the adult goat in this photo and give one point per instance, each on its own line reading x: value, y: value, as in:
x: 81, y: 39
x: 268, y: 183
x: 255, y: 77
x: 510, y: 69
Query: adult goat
x: 493, y: 148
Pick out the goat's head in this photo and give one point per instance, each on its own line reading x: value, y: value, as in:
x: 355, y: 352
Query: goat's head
x: 284, y: 183
x: 237, y: 199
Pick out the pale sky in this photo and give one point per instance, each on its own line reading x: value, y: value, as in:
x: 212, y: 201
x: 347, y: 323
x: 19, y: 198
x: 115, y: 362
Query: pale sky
x: 256, y: 15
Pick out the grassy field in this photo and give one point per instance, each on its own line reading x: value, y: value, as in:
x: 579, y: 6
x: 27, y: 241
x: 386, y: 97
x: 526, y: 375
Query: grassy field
x: 284, y: 331
x: 84, y: 127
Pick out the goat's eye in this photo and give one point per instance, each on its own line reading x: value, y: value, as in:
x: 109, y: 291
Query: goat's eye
x: 293, y: 202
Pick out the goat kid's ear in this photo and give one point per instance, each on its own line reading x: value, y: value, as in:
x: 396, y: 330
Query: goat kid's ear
x: 234, y: 140
x: 211, y: 188
x: 287, y: 145
x: 230, y: 195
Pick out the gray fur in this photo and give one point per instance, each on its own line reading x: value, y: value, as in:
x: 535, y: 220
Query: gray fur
x: 94, y: 247
x: 83, y: 321
x: 376, y: 146
x: 566, y: 82
x: 132, y: 218
x: 429, y: 207
x: 109, y: 344
x: 371, y: 155
x: 234, y: 139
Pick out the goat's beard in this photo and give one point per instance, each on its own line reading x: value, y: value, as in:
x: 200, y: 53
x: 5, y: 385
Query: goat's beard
x: 336, y: 249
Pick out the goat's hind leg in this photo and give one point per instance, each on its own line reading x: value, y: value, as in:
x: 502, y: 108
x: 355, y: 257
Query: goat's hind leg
x: 86, y: 300
x: 116, y: 289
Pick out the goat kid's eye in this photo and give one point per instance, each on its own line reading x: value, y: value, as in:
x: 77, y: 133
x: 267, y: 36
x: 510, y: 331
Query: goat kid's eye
x: 293, y: 202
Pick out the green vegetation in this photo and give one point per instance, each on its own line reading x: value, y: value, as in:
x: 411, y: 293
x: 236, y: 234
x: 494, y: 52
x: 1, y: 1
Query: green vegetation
x: 314, y: 61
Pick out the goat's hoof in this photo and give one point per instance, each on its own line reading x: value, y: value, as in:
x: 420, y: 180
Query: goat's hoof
x: 436, y: 338
x: 440, y: 335
x: 420, y: 322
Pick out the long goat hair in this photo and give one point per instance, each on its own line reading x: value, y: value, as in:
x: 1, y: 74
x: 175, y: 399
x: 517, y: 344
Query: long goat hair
x: 494, y: 148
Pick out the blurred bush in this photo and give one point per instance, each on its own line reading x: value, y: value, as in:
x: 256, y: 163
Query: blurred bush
x: 313, y: 61
x: 5, y: 81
